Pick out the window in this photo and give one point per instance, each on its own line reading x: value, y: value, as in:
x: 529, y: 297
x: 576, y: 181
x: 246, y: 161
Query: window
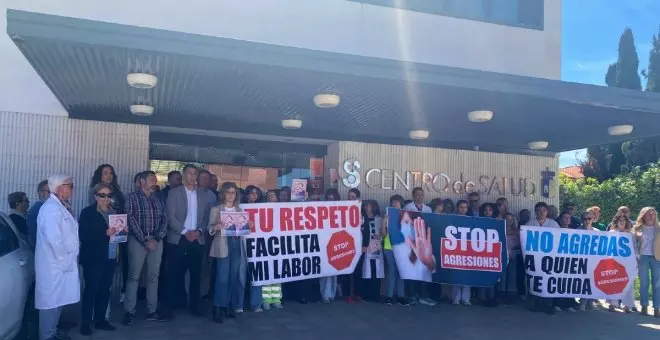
x: 8, y: 239
x: 518, y: 13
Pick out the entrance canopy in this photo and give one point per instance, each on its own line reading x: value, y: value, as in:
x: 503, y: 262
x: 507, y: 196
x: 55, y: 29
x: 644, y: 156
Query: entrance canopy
x: 221, y: 84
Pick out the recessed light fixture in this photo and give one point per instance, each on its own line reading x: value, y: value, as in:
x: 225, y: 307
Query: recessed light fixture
x: 538, y: 145
x: 326, y: 100
x: 142, y: 80
x: 480, y: 116
x: 291, y: 124
x: 620, y: 130
x: 418, y: 134
x: 142, y: 110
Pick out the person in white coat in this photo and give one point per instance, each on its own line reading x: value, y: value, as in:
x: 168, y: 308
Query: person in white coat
x: 56, y: 257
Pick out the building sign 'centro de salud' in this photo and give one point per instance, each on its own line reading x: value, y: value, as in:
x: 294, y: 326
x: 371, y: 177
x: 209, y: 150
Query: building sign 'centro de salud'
x: 386, y: 179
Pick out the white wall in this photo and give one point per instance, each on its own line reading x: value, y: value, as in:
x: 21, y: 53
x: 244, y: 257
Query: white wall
x: 327, y: 25
x: 33, y: 147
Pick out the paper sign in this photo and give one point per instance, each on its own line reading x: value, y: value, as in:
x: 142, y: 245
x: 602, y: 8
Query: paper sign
x: 234, y: 224
x: 298, y: 190
x: 118, y: 223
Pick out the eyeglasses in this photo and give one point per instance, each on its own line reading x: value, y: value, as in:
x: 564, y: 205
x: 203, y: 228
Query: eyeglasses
x: 104, y: 195
x: 68, y: 185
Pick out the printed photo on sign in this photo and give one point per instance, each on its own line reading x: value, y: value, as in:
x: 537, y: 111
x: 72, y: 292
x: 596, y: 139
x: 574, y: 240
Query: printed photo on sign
x: 118, y: 223
x: 298, y: 190
x: 375, y: 248
x: 573, y: 263
x: 235, y: 224
x: 449, y: 249
x: 302, y: 240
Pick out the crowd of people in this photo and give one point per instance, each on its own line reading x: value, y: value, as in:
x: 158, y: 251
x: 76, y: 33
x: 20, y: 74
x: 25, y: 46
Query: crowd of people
x: 173, y: 232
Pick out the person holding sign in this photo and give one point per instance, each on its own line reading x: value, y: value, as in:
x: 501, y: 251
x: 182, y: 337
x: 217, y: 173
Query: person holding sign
x: 254, y: 195
x: 461, y: 294
x: 371, y: 261
x: 394, y: 284
x: 621, y: 223
x: 587, y: 219
x: 272, y: 294
x: 647, y: 232
x: 542, y: 220
x: 98, y: 258
x: 230, y: 255
x: 328, y: 284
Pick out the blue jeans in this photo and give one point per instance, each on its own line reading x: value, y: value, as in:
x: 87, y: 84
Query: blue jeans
x: 256, y: 297
x: 647, y: 263
x: 230, y: 281
x: 394, y: 282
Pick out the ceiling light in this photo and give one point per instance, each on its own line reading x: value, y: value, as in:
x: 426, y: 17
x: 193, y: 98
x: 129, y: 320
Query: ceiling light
x: 480, y: 116
x: 142, y: 110
x: 419, y: 134
x: 142, y: 80
x: 326, y: 100
x: 620, y: 130
x: 538, y: 145
x: 291, y: 124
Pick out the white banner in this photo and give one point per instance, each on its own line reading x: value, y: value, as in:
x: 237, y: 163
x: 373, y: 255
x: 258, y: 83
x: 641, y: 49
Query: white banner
x: 578, y: 263
x: 303, y: 240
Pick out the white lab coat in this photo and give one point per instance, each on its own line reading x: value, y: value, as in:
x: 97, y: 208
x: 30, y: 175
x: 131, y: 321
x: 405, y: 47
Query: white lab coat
x: 56, y: 257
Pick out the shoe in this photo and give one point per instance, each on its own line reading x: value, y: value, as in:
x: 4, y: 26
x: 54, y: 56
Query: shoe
x: 358, y: 298
x: 349, y: 299
x: 196, y: 311
x: 278, y: 306
x: 105, y: 326
x: 388, y: 301
x: 427, y: 302
x: 128, y: 319
x: 656, y: 312
x: 155, y: 317
x: 303, y: 301
x: 645, y: 310
x: 626, y: 310
x: 413, y: 301
x: 557, y: 309
x: 66, y: 325
x: 326, y: 301
x: 570, y: 310
x: 230, y: 313
x: 86, y: 330
x: 216, y: 315
x: 239, y: 310
x: 404, y: 302
x: 633, y: 309
x: 611, y: 308
x: 266, y: 306
x: 466, y: 303
x: 456, y: 302
x: 258, y: 310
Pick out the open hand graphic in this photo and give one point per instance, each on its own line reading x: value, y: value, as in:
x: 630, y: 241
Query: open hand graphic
x: 421, y: 245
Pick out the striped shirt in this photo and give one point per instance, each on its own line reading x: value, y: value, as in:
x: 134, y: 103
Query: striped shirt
x: 146, y: 217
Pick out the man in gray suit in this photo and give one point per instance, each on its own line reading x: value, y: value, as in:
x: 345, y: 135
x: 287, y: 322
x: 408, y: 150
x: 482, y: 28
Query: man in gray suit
x: 188, y: 208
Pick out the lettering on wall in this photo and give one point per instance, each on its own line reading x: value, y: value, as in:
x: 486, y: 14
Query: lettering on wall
x: 387, y: 179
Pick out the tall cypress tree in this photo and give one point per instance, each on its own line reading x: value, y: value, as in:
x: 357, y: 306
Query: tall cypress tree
x: 605, y: 161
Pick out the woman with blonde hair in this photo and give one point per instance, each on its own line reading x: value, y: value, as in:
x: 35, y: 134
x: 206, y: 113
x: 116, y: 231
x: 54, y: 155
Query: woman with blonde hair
x: 621, y: 223
x: 647, y: 233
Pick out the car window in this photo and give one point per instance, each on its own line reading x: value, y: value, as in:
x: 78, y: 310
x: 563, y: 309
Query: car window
x: 8, y: 239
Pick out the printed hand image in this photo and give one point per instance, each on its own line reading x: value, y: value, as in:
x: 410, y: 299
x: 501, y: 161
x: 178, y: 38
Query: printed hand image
x: 243, y: 223
x: 413, y: 249
x: 118, y: 225
x: 235, y: 224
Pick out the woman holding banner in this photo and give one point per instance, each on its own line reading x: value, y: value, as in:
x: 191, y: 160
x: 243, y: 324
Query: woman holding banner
x: 272, y: 294
x: 647, y: 233
x: 371, y: 260
x: 254, y: 195
x: 230, y: 255
x: 328, y: 284
x: 461, y: 294
x: 540, y: 304
x: 621, y: 223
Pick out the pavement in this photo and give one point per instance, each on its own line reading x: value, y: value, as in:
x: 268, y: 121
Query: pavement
x: 367, y: 321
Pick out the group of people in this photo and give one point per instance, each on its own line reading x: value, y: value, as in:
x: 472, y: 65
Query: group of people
x: 175, y: 231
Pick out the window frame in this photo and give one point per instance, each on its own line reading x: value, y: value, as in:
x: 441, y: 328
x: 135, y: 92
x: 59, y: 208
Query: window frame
x: 540, y: 26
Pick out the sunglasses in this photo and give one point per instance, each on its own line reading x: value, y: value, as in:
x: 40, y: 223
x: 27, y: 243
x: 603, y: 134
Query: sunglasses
x: 104, y: 195
x: 68, y: 185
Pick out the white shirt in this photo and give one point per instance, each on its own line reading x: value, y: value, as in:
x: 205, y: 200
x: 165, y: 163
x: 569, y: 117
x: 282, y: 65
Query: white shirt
x: 190, y: 224
x: 549, y: 223
x: 232, y: 209
x: 646, y: 247
x: 413, y: 207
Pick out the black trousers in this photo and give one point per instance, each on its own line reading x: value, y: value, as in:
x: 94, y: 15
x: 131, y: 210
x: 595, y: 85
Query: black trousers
x: 182, y: 257
x: 98, y: 279
x: 123, y: 261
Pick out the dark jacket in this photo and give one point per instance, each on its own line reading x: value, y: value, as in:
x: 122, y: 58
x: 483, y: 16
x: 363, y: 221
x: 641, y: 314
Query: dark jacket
x: 93, y: 240
x: 20, y: 223
x: 32, y: 215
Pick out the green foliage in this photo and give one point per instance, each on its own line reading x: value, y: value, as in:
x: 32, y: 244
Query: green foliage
x: 627, y: 70
x: 637, y: 189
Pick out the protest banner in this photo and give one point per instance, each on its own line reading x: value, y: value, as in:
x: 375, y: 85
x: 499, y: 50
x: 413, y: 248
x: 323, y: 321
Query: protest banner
x: 575, y: 263
x: 450, y: 249
x: 302, y: 240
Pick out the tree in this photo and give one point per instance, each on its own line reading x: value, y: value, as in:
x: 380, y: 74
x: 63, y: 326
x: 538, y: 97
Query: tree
x: 645, y: 151
x: 606, y: 161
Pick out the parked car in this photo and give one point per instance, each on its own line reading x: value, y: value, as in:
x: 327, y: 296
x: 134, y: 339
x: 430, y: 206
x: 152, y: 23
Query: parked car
x: 19, y: 317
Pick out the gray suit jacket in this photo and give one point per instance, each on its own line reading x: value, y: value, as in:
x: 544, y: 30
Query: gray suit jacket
x: 177, y: 209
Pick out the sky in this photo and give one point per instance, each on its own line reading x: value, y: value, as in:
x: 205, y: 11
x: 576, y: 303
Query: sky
x: 590, y: 37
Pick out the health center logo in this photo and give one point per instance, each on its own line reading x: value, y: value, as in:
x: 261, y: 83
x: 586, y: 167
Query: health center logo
x: 352, y: 178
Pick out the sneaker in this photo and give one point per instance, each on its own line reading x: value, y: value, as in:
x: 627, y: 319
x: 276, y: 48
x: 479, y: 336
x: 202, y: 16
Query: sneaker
x: 155, y: 317
x: 266, y: 306
x: 326, y: 301
x: 427, y: 302
x: 645, y: 310
x: 656, y: 312
x: 633, y: 309
x: 239, y: 310
x: 349, y: 299
x: 388, y: 301
x: 258, y: 310
x: 278, y: 305
x: 557, y: 309
x: 105, y: 326
x: 413, y: 301
x: 456, y: 302
x: 128, y: 319
x: 611, y: 308
x: 582, y: 308
x: 358, y: 298
x: 86, y: 330
x: 570, y: 310
x: 626, y: 310
x: 404, y: 302
x: 466, y: 303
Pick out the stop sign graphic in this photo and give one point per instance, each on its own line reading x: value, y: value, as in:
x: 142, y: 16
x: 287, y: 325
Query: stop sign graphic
x: 341, y: 250
x: 610, y: 276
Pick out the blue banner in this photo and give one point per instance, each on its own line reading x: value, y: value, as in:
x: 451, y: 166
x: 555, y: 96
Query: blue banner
x: 451, y: 249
